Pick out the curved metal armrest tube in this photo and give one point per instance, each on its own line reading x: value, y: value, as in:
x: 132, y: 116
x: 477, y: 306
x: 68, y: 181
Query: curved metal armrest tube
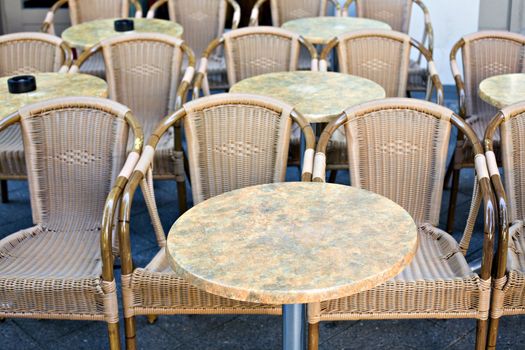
x: 47, y: 26
x: 429, y: 30
x: 203, y: 66
x: 319, y: 172
x: 460, y: 86
x: 236, y: 19
x: 346, y: 6
x: 84, y: 57
x: 138, y: 8
x: 155, y: 7
x: 254, y: 16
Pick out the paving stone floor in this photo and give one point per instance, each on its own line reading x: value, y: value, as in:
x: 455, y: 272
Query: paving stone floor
x: 242, y: 332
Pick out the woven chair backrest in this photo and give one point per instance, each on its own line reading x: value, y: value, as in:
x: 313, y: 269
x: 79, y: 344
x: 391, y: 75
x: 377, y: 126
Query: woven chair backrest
x: 399, y: 150
x: 143, y: 72
x: 81, y: 11
x: 287, y: 10
x: 396, y: 13
x: 486, y: 54
x: 27, y: 53
x: 381, y: 56
x: 235, y: 141
x: 202, y: 20
x: 260, y: 50
x: 74, y: 149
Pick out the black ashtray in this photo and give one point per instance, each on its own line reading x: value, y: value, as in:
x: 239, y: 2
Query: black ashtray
x: 124, y: 25
x: 21, y: 84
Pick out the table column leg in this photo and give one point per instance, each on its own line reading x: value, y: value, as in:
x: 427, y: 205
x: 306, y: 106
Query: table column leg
x: 294, y: 327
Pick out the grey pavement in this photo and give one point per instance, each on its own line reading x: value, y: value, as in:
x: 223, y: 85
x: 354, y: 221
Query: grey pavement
x: 243, y: 332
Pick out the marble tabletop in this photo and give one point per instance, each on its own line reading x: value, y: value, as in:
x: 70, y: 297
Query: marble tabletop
x: 290, y: 243
x: 87, y: 34
x: 503, y: 90
x: 319, y: 96
x: 320, y: 30
x: 51, y: 85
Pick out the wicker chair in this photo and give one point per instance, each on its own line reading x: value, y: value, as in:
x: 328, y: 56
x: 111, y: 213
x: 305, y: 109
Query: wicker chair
x: 484, y: 54
x: 508, y: 296
x: 25, y: 53
x: 203, y: 21
x: 81, y: 11
x: 287, y: 10
x: 144, y: 73
x: 397, y: 13
x: 62, y: 268
x: 234, y: 141
x: 379, y: 55
x: 398, y: 148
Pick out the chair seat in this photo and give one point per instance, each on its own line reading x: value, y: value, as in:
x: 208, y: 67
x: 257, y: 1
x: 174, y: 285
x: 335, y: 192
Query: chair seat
x: 47, y: 272
x: 417, y: 77
x: 12, y: 160
x: 156, y: 287
x: 95, y: 66
x: 437, y: 283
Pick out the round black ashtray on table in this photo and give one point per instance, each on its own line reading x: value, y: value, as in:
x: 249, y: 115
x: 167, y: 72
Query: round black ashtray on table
x: 124, y: 25
x: 21, y: 84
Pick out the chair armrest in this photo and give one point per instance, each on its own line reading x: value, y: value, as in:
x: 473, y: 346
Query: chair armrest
x: 319, y: 172
x: 84, y: 57
x: 460, y: 86
x: 138, y: 8
x: 309, y: 138
x: 155, y: 7
x: 313, y: 53
x: 337, y: 8
x: 236, y: 19
x: 346, y: 6
x: 48, y: 25
x: 254, y: 16
x: 201, y: 80
x: 429, y: 30
x: 323, y: 64
x: 68, y: 57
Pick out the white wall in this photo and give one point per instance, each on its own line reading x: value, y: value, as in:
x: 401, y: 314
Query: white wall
x: 451, y: 20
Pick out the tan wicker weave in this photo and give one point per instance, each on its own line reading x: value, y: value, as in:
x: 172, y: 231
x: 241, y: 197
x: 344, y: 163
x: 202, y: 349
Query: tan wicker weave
x: 203, y: 21
x: 287, y: 10
x: 509, y: 275
x: 234, y: 141
x: 382, y: 56
x: 75, y: 148
x: 144, y: 73
x: 484, y: 54
x: 26, y: 53
x: 398, y: 148
x: 398, y: 13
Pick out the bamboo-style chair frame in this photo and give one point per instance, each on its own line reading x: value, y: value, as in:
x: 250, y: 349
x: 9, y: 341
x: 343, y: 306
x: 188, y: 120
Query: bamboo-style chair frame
x: 229, y: 39
x: 435, y: 293
x: 281, y: 15
x: 509, y: 273
x: 164, y: 292
x: 52, y: 284
x: 400, y: 21
x: 32, y: 53
x: 476, y: 112
x: 171, y: 159
x: 198, y: 32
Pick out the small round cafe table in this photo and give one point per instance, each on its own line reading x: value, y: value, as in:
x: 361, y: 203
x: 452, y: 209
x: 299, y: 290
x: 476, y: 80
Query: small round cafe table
x: 503, y: 90
x: 319, y: 96
x: 51, y: 85
x: 291, y: 244
x: 320, y: 30
x: 88, y: 34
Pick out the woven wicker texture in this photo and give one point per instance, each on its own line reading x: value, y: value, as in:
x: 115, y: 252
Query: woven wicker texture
x: 397, y: 13
x: 82, y: 11
x: 74, y: 148
x: 284, y: 11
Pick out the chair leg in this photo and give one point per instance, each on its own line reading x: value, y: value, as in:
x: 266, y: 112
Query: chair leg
x: 152, y: 319
x: 3, y: 190
x: 129, y: 328
x: 333, y: 176
x: 114, y: 336
x: 453, y: 199
x: 493, y: 333
x: 313, y: 336
x: 481, y: 334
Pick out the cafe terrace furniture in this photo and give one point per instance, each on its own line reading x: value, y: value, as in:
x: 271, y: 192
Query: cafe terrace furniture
x: 144, y: 72
x: 81, y: 11
x: 290, y: 244
x: 203, y: 21
x: 509, y: 274
x: 398, y: 13
x: 234, y: 141
x: 503, y: 90
x: 382, y: 56
x: 483, y: 54
x: 62, y: 268
x: 398, y: 149
x: 253, y: 51
x: 285, y: 10
x: 49, y: 85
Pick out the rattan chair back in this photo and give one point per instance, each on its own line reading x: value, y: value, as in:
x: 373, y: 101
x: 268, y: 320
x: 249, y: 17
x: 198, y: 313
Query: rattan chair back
x: 27, y: 53
x: 287, y: 10
x: 396, y: 13
x: 81, y: 11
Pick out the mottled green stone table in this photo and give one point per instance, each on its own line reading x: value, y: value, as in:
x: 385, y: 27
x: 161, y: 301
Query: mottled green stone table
x: 292, y: 243
x: 51, y: 85
x: 319, y: 96
x: 87, y: 34
x: 320, y: 30
x: 503, y: 90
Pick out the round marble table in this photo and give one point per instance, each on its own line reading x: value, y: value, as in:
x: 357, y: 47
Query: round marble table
x: 292, y: 244
x: 51, y: 85
x: 503, y: 90
x: 87, y: 34
x: 320, y: 30
x: 319, y: 96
